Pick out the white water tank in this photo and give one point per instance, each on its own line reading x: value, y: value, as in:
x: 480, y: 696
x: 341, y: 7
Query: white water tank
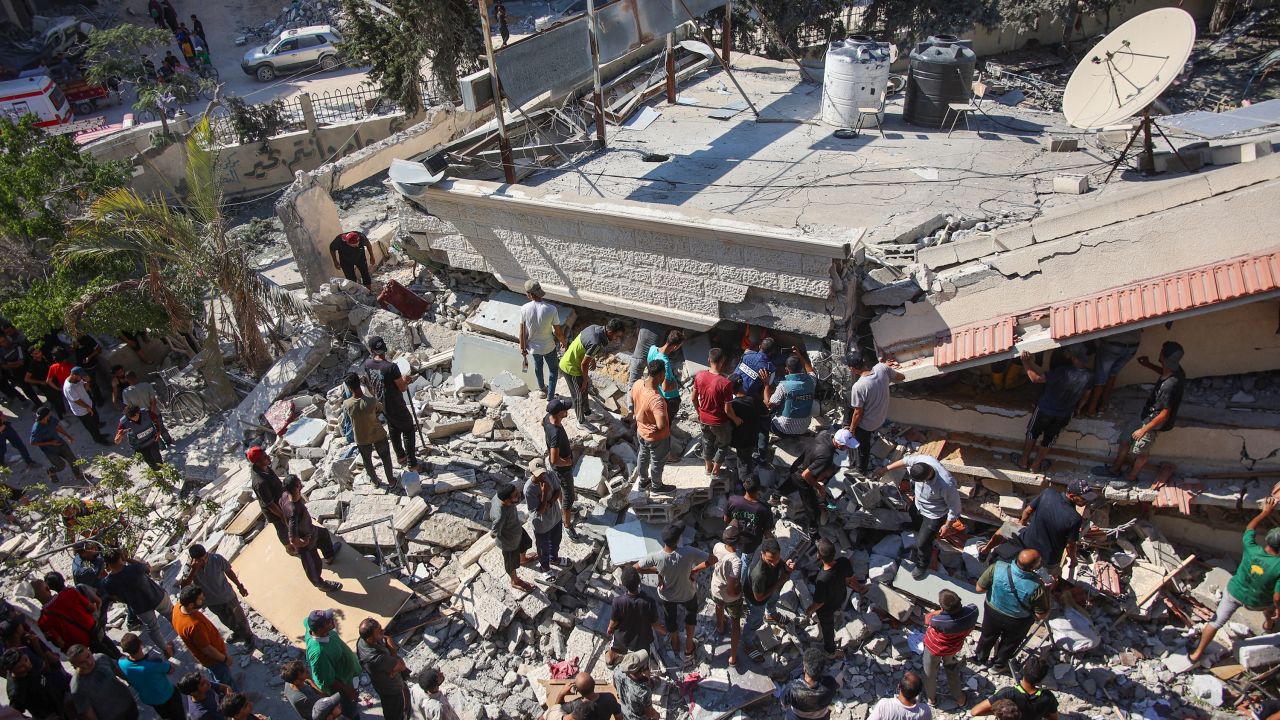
x: 857, y: 71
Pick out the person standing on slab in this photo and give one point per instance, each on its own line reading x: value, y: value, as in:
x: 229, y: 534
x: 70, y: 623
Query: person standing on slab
x: 347, y: 251
x: 541, y: 335
x: 677, y: 566
x: 712, y: 397
x: 868, y: 402
x: 1158, y: 415
x: 388, y: 385
x: 380, y: 658
x: 509, y: 533
x: 1256, y: 583
x: 906, y: 704
x: 935, y: 501
x: 945, y: 631
x: 1065, y: 388
x: 212, y: 573
x: 831, y: 588
x: 370, y: 435
x: 310, y: 541
x: 1016, y: 598
x: 653, y: 428
x: 581, y: 357
x: 560, y: 458
x: 727, y: 589
x: 269, y: 490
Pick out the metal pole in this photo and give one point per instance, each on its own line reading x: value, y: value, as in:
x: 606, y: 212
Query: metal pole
x: 723, y: 64
x: 595, y: 71
x: 671, y: 68
x: 504, y: 143
x: 726, y: 33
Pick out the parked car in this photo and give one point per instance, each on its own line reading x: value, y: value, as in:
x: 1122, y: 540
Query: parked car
x: 294, y: 50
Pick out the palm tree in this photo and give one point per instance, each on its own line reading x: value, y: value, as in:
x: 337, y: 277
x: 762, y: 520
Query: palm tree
x: 192, y: 240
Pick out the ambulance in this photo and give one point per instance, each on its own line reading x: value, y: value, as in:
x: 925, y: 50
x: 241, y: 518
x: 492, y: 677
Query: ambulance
x: 36, y: 95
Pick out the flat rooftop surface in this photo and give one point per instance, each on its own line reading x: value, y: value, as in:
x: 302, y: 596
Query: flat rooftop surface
x: 798, y: 174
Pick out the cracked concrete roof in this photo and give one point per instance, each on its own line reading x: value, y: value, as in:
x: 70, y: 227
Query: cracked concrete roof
x: 798, y: 175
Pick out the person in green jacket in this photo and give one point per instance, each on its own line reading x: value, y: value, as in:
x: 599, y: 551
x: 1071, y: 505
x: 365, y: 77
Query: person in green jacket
x: 581, y: 356
x: 1256, y: 584
x: 334, y: 666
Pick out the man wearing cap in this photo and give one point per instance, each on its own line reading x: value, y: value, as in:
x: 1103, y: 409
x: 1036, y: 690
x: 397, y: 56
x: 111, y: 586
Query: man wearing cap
x: 143, y: 433
x: 541, y: 334
x: 310, y: 541
x: 388, y: 386
x: 328, y: 708
x: 560, y: 458
x: 268, y: 489
x: 631, y: 680
x: 333, y: 666
x: 1256, y: 584
x: 369, y: 433
x: 1158, y: 415
x: 542, y: 494
x: 814, y: 467
x: 653, y: 428
x: 76, y: 392
x: 55, y: 443
x: 868, y: 401
x: 581, y: 357
x: 1051, y: 523
x: 509, y: 534
x: 1065, y: 391
x: 348, y: 253
x: 212, y: 573
x: 936, y: 500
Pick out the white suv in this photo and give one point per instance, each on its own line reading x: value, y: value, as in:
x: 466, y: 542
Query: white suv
x: 294, y: 50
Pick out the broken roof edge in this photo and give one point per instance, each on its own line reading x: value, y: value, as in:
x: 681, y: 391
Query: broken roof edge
x: 614, y: 304
x: 641, y: 216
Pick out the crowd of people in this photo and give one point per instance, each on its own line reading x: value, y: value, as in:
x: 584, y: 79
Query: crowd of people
x: 743, y: 411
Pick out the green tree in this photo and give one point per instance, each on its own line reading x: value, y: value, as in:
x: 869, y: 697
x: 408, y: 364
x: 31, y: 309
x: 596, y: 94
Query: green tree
x: 45, y: 304
x: 910, y: 21
x: 117, y: 52
x: 445, y: 33
x: 43, y: 180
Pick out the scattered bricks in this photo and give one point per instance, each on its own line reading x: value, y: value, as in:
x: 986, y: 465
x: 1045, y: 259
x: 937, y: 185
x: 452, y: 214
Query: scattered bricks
x: 468, y: 383
x: 1259, y: 653
x: 483, y: 427
x: 449, y: 428
x: 1071, y: 184
x: 410, y: 515
x: 1176, y: 663
x: 1064, y: 145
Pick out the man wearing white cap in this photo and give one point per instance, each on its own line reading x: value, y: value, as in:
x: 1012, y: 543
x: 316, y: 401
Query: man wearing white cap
x: 816, y: 465
x: 936, y: 500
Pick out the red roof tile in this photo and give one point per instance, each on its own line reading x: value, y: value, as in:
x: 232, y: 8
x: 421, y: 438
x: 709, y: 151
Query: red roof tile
x: 1179, y: 292
x: 975, y: 341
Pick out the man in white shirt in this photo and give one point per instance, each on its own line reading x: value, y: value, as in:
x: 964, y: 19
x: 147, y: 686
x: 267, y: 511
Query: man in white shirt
x: 541, y: 334
x: 868, y: 401
x: 429, y: 702
x: 76, y: 392
x: 906, y: 704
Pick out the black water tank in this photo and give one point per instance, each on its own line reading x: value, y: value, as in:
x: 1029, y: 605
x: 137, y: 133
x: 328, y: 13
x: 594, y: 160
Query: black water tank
x: 941, y: 72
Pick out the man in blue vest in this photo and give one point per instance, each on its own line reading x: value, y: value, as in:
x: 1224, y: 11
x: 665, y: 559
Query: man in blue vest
x: 1016, y: 598
x: 793, y: 398
x: 757, y: 370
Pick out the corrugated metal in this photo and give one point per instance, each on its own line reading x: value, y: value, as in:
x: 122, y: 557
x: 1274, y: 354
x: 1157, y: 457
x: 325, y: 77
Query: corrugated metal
x: 975, y: 341
x: 1179, y: 292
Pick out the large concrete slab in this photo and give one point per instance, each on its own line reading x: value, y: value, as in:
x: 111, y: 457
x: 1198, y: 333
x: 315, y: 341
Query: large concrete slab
x: 630, y: 541
x: 281, y: 379
x: 490, y: 357
x: 279, y: 591
x: 927, y: 589
x: 500, y: 316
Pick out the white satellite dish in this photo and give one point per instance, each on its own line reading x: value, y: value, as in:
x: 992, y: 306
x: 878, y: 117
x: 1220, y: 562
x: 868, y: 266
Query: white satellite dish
x: 1129, y: 68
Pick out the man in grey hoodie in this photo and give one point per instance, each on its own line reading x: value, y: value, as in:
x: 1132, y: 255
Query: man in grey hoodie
x: 543, y: 494
x: 509, y: 534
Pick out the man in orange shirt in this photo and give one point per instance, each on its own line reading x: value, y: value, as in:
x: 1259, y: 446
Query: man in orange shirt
x: 653, y: 427
x: 201, y: 636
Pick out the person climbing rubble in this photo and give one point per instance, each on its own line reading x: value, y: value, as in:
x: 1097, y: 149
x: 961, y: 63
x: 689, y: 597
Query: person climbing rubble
x: 1158, y: 415
x: 580, y: 359
x: 831, y: 588
x: 1050, y: 524
x: 868, y: 402
x: 269, y: 490
x: 347, y: 250
x: 388, y: 385
x: 813, y: 470
x: 677, y: 566
x: 1066, y: 384
x: 935, y: 500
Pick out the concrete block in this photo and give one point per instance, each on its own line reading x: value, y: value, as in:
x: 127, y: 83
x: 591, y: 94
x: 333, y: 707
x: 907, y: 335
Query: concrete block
x: 483, y: 426
x: 490, y: 357
x: 891, y: 602
x: 450, y: 481
x: 306, y: 432
x: 938, y: 256
x: 588, y: 475
x: 1114, y: 138
x: 508, y: 384
x: 499, y: 316
x: 1240, y: 153
x: 282, y: 378
x: 893, y: 294
x: 927, y: 589
x: 1260, y: 652
x: 1181, y: 162
x: 1071, y: 184
x: 466, y: 382
x: 302, y: 468
x: 972, y: 248
x: 410, y: 515
x: 1014, y: 237
x: 1176, y: 663
x: 1237, y: 176
x: 1064, y: 145
x: 450, y: 427
x: 1208, y: 688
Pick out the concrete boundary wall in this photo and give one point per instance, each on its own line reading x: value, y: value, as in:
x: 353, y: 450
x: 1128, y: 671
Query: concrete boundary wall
x: 682, y: 267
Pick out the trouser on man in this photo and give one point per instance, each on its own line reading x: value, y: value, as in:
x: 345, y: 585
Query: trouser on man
x: 90, y: 422
x: 349, y: 271
x: 402, y: 440
x: 14, y: 386
x: 951, y: 664
x: 394, y: 703
x: 548, y: 544
x: 1002, y: 633
x: 808, y: 498
x: 150, y: 454
x: 827, y: 626
x: 926, y: 534
x: 652, y: 459
x: 222, y: 673
x: 61, y: 456
x: 321, y: 546
x: 552, y: 361
x: 232, y: 615
x: 383, y: 447
x: 578, y: 395
x: 154, y: 619
x: 756, y: 615
x: 11, y: 437
x: 172, y: 708
x: 715, y: 442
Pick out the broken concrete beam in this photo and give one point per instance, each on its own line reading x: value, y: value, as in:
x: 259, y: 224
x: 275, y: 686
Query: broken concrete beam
x: 927, y: 589
x: 1241, y: 153
x: 891, y: 602
x: 410, y: 515
x: 306, y: 432
x: 451, y: 481
x: 490, y: 357
x: 893, y: 294
x: 284, y: 377
x: 500, y: 316
x: 449, y: 428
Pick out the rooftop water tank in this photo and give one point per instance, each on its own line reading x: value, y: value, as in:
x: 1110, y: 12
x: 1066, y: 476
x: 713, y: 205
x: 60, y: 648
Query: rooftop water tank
x: 941, y: 73
x: 857, y: 71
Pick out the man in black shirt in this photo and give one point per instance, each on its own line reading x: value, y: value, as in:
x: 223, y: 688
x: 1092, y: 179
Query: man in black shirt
x: 348, y: 253
x: 13, y: 362
x: 380, y: 658
x: 1051, y: 524
x: 811, y: 695
x: 754, y: 518
x: 1159, y: 414
x: 1035, y: 702
x: 36, y: 374
x: 815, y: 466
x: 388, y: 385
x: 634, y: 619
x: 589, y: 704
x: 268, y: 488
x: 764, y: 580
x: 560, y: 457
x: 831, y: 588
x: 129, y: 581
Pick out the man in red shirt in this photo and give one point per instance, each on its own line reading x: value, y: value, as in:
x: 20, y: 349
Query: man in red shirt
x: 69, y: 618
x: 945, y: 631
x: 713, y: 397
x: 60, y: 370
